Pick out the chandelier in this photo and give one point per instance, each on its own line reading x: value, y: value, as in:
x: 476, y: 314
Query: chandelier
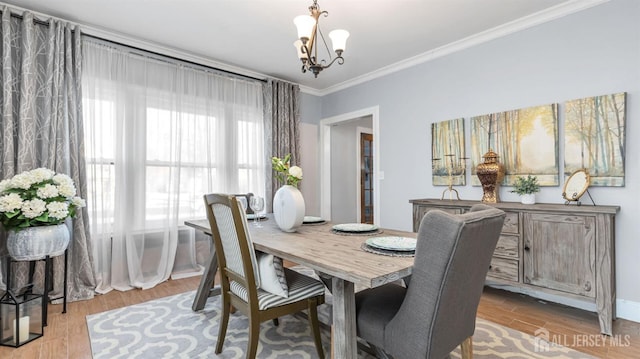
x: 309, y: 35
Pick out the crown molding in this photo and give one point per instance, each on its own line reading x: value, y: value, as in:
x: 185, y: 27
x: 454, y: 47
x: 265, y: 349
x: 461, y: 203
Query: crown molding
x: 312, y: 91
x: 541, y: 17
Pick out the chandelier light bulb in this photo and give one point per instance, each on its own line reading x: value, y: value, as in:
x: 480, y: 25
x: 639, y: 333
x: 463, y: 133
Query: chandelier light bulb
x: 339, y: 39
x: 305, y: 25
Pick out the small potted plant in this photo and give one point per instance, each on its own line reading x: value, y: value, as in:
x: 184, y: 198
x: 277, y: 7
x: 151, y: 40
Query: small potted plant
x: 526, y: 187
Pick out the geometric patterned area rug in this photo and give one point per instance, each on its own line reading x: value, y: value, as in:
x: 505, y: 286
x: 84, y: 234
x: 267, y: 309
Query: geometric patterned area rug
x: 168, y: 328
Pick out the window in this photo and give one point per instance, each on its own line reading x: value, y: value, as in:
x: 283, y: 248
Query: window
x: 158, y: 136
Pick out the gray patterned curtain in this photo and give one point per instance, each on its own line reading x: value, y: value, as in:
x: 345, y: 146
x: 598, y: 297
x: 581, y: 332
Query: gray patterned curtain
x: 282, y: 114
x: 41, y: 126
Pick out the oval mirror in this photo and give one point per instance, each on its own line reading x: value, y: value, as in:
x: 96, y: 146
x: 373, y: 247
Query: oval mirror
x: 576, y: 185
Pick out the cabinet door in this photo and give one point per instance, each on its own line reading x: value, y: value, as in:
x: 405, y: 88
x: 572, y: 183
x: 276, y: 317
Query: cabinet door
x: 559, y: 252
x: 419, y: 211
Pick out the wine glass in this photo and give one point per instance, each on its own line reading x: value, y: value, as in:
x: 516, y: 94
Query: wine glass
x: 243, y: 202
x: 257, y: 205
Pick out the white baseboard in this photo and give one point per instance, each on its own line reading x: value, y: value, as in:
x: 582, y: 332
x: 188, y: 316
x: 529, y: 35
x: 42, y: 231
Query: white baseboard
x: 628, y: 310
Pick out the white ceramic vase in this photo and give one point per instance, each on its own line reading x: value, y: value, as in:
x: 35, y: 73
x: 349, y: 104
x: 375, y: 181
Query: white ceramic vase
x: 529, y: 198
x: 34, y: 243
x: 288, y: 208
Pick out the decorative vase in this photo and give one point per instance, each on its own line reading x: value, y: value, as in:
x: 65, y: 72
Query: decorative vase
x: 34, y: 243
x: 490, y: 173
x: 288, y: 208
x: 528, y: 198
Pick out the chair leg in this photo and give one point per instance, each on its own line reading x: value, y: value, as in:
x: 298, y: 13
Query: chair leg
x: 276, y: 322
x: 254, y: 337
x: 379, y: 353
x: 315, y: 326
x: 331, y: 347
x: 222, y: 330
x: 467, y: 348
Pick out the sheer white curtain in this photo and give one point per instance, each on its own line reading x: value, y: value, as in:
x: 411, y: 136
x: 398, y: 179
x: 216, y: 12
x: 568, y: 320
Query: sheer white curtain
x: 159, y: 135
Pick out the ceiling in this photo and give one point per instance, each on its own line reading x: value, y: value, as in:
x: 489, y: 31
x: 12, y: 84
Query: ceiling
x: 255, y: 37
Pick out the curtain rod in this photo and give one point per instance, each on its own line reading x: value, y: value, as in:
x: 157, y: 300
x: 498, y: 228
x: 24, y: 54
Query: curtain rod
x: 175, y: 58
x: 38, y: 21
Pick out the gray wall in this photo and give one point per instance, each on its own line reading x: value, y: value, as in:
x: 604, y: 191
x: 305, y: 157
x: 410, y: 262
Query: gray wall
x: 310, y: 108
x: 593, y: 52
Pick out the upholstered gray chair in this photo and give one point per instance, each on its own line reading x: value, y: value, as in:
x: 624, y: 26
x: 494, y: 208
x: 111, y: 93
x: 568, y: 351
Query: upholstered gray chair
x: 437, y: 311
x: 240, y: 277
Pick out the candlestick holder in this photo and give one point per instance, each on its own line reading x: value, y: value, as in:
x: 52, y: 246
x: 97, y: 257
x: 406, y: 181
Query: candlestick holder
x: 453, y: 167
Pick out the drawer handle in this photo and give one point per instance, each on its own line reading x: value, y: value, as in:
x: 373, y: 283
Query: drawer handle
x: 587, y: 286
x: 526, y: 248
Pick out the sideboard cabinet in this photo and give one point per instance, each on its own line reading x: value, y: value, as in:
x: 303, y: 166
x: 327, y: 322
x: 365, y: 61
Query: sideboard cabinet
x: 562, y: 250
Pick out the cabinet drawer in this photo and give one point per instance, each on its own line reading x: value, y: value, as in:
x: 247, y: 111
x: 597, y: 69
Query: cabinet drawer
x: 505, y: 269
x: 507, y: 246
x: 420, y: 211
x: 511, y: 223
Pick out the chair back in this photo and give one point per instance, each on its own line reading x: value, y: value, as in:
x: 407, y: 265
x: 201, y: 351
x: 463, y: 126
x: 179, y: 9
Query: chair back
x: 234, y: 248
x: 452, y: 259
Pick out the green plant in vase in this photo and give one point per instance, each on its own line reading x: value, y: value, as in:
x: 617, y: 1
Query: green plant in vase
x: 290, y: 175
x: 288, y: 202
x: 526, y: 187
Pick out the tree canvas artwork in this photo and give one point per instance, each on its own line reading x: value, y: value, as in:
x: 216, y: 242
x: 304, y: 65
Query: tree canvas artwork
x: 447, y: 153
x: 595, y: 138
x: 526, y: 141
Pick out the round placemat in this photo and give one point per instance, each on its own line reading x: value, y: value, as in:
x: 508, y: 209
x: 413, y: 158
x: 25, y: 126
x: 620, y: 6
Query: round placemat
x: 371, y: 233
x: 383, y: 252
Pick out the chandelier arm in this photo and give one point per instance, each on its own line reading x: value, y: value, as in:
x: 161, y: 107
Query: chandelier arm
x: 340, y: 60
x: 326, y: 47
x: 311, y: 60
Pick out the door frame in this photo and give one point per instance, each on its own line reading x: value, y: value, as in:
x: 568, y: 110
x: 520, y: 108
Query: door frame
x: 325, y: 158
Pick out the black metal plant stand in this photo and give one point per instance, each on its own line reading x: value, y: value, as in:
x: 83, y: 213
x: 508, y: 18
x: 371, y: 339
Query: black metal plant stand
x: 48, y: 281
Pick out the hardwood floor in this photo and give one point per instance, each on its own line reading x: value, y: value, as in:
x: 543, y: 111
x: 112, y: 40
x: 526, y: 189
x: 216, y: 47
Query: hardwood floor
x: 67, y: 336
x: 566, y: 326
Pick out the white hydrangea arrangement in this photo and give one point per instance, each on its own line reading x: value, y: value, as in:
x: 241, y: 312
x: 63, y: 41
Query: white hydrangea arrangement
x: 38, y: 197
x: 290, y: 175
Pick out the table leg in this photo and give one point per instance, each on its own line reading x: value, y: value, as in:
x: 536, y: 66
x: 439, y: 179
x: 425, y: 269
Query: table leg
x: 206, y: 283
x: 344, y: 319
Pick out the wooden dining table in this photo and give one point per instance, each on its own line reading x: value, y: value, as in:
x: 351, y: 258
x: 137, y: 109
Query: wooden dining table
x: 339, y: 256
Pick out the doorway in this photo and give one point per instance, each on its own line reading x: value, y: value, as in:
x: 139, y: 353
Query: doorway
x: 335, y: 125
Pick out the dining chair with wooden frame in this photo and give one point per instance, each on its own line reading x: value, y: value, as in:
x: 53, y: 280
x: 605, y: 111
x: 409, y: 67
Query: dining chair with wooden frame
x: 239, y: 277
